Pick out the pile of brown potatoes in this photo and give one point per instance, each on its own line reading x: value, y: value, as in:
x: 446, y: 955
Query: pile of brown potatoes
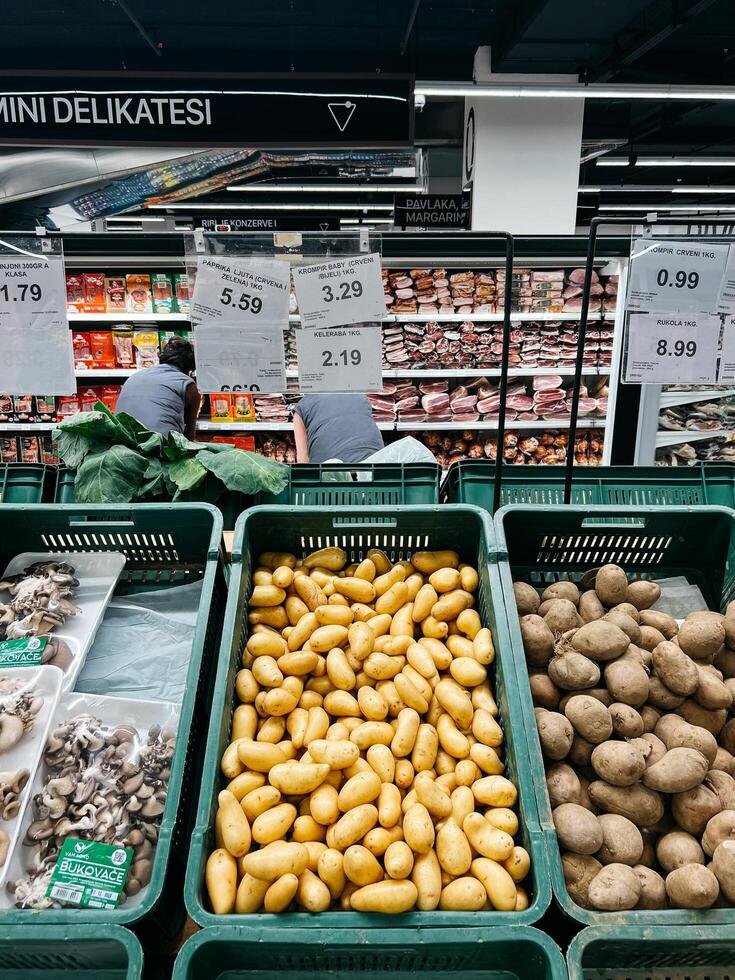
x: 632, y: 712
x: 365, y: 768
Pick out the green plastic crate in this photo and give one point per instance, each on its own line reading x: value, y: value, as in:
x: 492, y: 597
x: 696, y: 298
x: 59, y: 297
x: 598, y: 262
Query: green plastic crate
x: 69, y: 953
x: 400, y: 532
x: 638, y: 953
x: 542, y: 545
x: 375, y: 485
x: 22, y: 483
x: 165, y: 545
x: 472, y: 481
x: 241, y: 953
x: 64, y: 492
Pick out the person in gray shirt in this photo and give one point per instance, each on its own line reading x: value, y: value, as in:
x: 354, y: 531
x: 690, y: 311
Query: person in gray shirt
x: 335, y: 427
x: 164, y: 398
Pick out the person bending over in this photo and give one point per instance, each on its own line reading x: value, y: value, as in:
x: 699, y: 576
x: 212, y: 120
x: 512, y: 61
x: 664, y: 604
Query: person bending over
x: 164, y: 398
x: 331, y: 427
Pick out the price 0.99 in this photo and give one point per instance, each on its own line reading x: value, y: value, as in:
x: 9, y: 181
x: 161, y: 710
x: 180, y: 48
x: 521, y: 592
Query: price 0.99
x: 679, y: 279
x: 342, y: 290
x: 679, y: 348
x: 245, y: 302
x: 335, y: 358
x: 20, y: 292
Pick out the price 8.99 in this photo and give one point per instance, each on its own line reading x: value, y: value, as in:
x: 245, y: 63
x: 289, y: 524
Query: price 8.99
x: 676, y: 348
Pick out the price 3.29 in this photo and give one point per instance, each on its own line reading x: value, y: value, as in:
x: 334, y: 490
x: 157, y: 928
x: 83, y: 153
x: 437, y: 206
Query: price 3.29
x: 679, y: 279
x: 679, y: 348
x: 337, y: 358
x: 342, y: 290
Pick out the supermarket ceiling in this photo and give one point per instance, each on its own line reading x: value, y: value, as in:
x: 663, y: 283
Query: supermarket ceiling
x: 625, y: 41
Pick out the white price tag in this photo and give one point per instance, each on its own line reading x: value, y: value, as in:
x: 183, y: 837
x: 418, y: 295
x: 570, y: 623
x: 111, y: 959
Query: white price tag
x: 340, y: 359
x: 342, y: 291
x: 671, y: 349
x: 230, y: 357
x: 675, y: 277
x: 726, y: 302
x: 38, y: 357
x: 241, y: 290
x: 726, y: 373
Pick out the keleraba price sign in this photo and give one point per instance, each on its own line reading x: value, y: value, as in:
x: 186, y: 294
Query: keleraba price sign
x: 339, y: 292
x: 661, y: 349
x: 240, y: 290
x: 675, y: 277
x: 340, y: 358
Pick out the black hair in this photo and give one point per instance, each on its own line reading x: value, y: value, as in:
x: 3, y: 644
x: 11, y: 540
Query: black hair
x: 179, y: 353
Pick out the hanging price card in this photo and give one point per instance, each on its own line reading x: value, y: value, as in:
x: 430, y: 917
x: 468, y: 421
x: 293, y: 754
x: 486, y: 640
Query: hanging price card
x: 726, y: 374
x: 339, y: 292
x: 671, y: 349
x: 230, y: 357
x: 241, y: 290
x: 340, y: 359
x: 675, y: 277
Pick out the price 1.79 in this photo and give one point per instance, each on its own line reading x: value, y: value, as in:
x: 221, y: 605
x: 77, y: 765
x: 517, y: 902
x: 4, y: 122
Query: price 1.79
x: 23, y: 291
x: 679, y: 348
x: 246, y: 301
x: 343, y: 290
x: 336, y: 358
x: 679, y: 279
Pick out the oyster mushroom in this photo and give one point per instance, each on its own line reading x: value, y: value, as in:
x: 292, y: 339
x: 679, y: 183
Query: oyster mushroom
x: 11, y: 730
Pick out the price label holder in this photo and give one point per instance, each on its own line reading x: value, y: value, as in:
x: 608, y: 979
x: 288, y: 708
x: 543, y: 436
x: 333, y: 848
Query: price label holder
x: 671, y: 349
x: 340, y: 291
x: 38, y: 356
x: 234, y: 357
x: 240, y: 290
x: 340, y: 359
x: 675, y: 276
x: 726, y: 374
x: 726, y: 302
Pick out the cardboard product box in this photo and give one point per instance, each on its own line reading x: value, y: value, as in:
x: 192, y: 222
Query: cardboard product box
x: 67, y: 405
x: 140, y: 298
x: 162, y: 288
x: 30, y: 449
x: 24, y: 409
x: 243, y: 407
x: 115, y: 299
x: 88, y: 397
x: 220, y: 407
x: 74, y: 293
x: 94, y: 292
x: 102, y: 348
x: 81, y: 342
x: 122, y: 342
x: 109, y: 394
x: 145, y: 343
x: 9, y: 449
x: 6, y: 408
x: 45, y: 408
x: 48, y: 452
x: 239, y: 442
x: 182, y: 292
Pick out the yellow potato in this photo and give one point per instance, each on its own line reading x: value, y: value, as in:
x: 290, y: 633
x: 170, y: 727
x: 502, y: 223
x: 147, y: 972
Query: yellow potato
x: 388, y: 579
x: 425, y: 748
x: 298, y: 778
x: 281, y: 893
x: 361, y: 639
x: 502, y: 818
x: 261, y: 576
x: 323, y: 805
x: 467, y: 772
x: 518, y: 864
x: 268, y: 644
x: 353, y: 826
x: 245, y: 783
x: 380, y: 560
x: 407, y: 727
x: 402, y: 627
x: 297, y: 663
x: 495, y: 791
x: 221, y: 880
x: 272, y: 730
x: 487, y: 759
x: 460, y: 646
x: 463, y: 895
x: 307, y: 830
x: 295, y: 609
x: 371, y: 733
x: 391, y: 644
x: 266, y: 595
x: 468, y: 621
x: 500, y: 887
x: 451, y: 739
x: 428, y: 562
x: 332, y: 558
x: 487, y: 840
x: 273, y: 559
x: 379, y: 839
x: 455, y: 701
x: 246, y: 686
x: 482, y: 697
x: 410, y: 695
x: 433, y: 797
x: 244, y: 722
x: 444, y: 579
x: 447, y: 780
x: 361, y: 867
x: 418, y: 830
x: 383, y: 666
x: 335, y: 599
x: 259, y: 756
x: 359, y: 789
x: 274, y: 824
x: 380, y: 624
x: 276, y: 859
x: 324, y: 638
x: 420, y: 658
x: 392, y: 600
x: 310, y: 699
x: 387, y: 691
x: 302, y: 631
x: 315, y: 848
x: 404, y: 773
x: 322, y: 577
x: 423, y: 603
x: 259, y: 800
x: 234, y: 826
x: 342, y: 705
x: 422, y: 685
x: 331, y: 871
x: 356, y: 589
x: 385, y: 896
x: 366, y: 570
x: 398, y: 860
x: 279, y: 701
x: 274, y: 616
x: 312, y: 894
x: 468, y: 578
x: 432, y: 628
x: 463, y: 802
x: 372, y: 704
x: 486, y: 729
x: 522, y: 899
x: 339, y: 671
x: 309, y: 592
x: 361, y: 611
x: 451, y: 604
x: 337, y: 754
x: 445, y: 763
x: 380, y: 759
x: 389, y: 805
x: 250, y: 894
x: 282, y: 576
x: 427, y: 876
x: 415, y: 583
x: 483, y: 648
x: 439, y: 651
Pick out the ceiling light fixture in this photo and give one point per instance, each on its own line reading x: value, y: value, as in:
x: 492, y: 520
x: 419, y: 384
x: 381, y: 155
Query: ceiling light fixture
x: 666, y: 162
x: 270, y: 207
x: 655, y: 189
x: 665, y: 208
x: 500, y: 90
x: 326, y: 188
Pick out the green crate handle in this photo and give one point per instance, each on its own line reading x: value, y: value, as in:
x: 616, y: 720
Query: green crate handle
x: 375, y: 522
x: 625, y: 524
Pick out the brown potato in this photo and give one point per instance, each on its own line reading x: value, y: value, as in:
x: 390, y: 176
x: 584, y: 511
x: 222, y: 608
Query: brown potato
x: 650, y: 717
x: 723, y: 761
x: 590, y: 718
x: 561, y: 590
x: 711, y: 692
x: 679, y: 770
x: 626, y: 721
x: 650, y: 638
x: 711, y: 719
x: 652, y: 748
x: 723, y: 867
x: 590, y: 607
x: 618, y: 763
x: 676, y: 849
x: 724, y: 785
x: 653, y: 889
x: 563, y: 784
x: 581, y: 751
x: 615, y: 888
x: 659, y: 695
x: 538, y: 640
x: 527, y: 598
x: 625, y: 623
x: 611, y: 585
x: 675, y: 732
x: 643, y: 594
x: 555, y: 733
x: 695, y: 808
x: 579, y: 870
x: 665, y: 624
x: 692, y: 887
x: 627, y: 682
x: 577, y: 829
x: 675, y: 668
x: 638, y: 803
x: 601, y: 640
x: 622, y: 842
x: 573, y: 671
x: 544, y: 692
x: 701, y: 637
x: 561, y: 616
x: 720, y: 827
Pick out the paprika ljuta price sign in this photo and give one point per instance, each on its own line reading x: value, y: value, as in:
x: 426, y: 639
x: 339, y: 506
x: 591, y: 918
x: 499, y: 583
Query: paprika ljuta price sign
x: 666, y: 349
x: 340, y: 292
x: 241, y: 290
x: 340, y: 359
x: 675, y: 276
x: 37, y: 348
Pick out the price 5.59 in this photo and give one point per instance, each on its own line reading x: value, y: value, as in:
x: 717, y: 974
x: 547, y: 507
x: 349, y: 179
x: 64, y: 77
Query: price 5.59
x: 21, y: 293
x: 343, y: 290
x: 679, y: 348
x: 679, y: 279
x: 334, y: 358
x: 246, y: 301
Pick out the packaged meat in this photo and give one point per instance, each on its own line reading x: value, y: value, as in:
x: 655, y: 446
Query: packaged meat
x: 140, y: 299
x: 94, y: 292
x: 8, y: 449
x: 162, y: 293
x: 30, y: 449
x: 115, y: 294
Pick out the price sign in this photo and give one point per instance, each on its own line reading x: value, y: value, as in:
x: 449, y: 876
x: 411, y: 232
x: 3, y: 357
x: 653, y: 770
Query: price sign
x: 340, y: 292
x: 671, y: 349
x: 726, y: 302
x: 230, y: 357
x: 675, y: 277
x: 37, y: 346
x: 241, y: 290
x: 726, y: 374
x: 340, y: 359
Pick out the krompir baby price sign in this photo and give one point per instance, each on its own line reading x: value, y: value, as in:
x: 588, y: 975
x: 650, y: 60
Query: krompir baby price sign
x: 340, y: 292
x: 666, y: 349
x: 339, y: 359
x: 675, y: 276
x: 241, y: 290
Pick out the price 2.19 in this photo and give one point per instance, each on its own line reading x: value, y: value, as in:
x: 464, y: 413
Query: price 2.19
x: 21, y: 292
x: 246, y: 302
x: 342, y: 290
x: 336, y: 358
x: 679, y: 348
x: 679, y: 279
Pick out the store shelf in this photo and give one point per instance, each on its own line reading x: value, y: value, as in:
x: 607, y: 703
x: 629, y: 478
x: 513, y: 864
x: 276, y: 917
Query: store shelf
x: 490, y: 317
x: 671, y: 398
x: 123, y: 317
x: 478, y: 372
x: 27, y: 426
x: 492, y: 426
x: 94, y: 373
x: 684, y: 435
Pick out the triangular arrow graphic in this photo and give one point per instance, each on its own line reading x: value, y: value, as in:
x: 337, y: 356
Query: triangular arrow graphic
x: 342, y: 112
x: 324, y: 225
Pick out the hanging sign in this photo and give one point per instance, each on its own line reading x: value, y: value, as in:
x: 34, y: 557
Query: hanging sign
x: 671, y: 349
x: 339, y: 292
x: 433, y: 210
x: 231, y: 357
x: 37, y: 349
x: 242, y: 291
x: 726, y: 374
x: 340, y: 359
x: 265, y: 222
x: 675, y: 277
x: 726, y: 302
